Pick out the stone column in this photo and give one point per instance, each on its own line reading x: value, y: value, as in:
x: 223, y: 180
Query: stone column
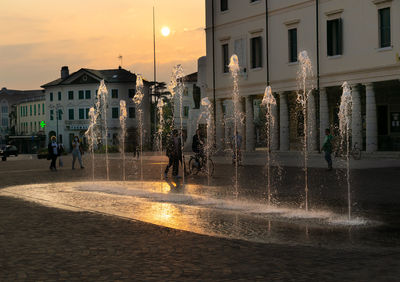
x: 371, y: 119
x: 311, y: 123
x: 220, y: 125
x: 323, y: 114
x: 250, y: 128
x: 284, y: 122
x: 356, y: 121
x: 275, y: 128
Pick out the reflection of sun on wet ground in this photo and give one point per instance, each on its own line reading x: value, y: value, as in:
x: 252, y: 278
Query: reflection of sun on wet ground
x: 194, y: 208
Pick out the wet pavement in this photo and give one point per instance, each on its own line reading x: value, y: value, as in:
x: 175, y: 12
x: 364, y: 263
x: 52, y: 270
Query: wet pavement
x: 281, y: 243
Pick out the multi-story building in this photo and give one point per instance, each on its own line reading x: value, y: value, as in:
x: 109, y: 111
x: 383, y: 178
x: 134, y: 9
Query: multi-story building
x: 355, y: 41
x: 8, y: 113
x: 69, y: 98
x: 31, y: 115
x: 194, y: 91
x: 29, y: 125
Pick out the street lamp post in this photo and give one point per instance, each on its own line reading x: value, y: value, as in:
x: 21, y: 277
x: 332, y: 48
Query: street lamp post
x: 57, y: 108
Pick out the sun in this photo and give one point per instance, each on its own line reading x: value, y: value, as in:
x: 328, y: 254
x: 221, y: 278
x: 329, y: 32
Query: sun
x: 165, y: 31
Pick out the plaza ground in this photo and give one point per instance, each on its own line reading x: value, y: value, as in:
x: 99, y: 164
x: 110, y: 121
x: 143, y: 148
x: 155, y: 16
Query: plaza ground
x: 42, y: 243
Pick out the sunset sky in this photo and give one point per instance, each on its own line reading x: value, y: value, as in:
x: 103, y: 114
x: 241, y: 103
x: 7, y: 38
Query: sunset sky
x: 40, y: 36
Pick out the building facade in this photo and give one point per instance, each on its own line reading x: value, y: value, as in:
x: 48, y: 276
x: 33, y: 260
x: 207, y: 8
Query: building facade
x: 355, y: 41
x: 69, y: 98
x: 9, y: 99
x: 31, y: 115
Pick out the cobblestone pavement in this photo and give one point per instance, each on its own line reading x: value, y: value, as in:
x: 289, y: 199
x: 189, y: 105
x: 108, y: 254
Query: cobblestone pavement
x: 43, y: 244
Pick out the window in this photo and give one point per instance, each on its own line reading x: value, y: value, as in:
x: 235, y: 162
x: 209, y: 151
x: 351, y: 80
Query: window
x: 43, y: 108
x: 51, y: 96
x: 224, y: 5
x: 70, y: 95
x: 225, y: 58
x: 114, y: 93
x: 35, y: 126
x: 5, y: 122
x: 334, y: 37
x: 384, y: 28
x: 34, y: 110
x: 87, y: 113
x: 81, y: 94
x: 256, y: 52
x: 60, y: 114
x: 132, y: 93
x: 132, y: 113
x: 292, y: 45
x: 4, y: 110
x: 30, y: 110
x: 38, y: 109
x: 59, y: 96
x: 186, y: 91
x: 185, y: 111
x: 31, y: 128
x: 88, y: 94
x: 51, y: 114
x: 81, y: 113
x: 21, y: 112
x: 115, y: 113
x: 71, y: 114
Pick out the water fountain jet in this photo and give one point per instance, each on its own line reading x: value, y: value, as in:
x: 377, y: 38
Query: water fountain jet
x: 138, y: 102
x: 269, y: 101
x: 345, y: 115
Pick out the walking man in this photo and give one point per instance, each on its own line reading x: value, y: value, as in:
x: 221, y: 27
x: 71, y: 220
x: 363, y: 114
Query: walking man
x: 174, y: 153
x: 327, y: 148
x: 53, y: 152
x: 76, y: 152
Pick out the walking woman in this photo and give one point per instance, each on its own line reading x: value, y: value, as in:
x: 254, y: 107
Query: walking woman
x: 76, y: 152
x: 53, y: 152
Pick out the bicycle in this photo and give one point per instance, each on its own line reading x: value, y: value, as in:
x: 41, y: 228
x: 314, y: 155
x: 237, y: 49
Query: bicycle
x: 200, y: 164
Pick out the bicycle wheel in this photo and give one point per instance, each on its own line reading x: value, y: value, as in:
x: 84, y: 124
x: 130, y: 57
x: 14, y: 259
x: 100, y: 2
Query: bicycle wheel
x: 356, y: 153
x: 193, y: 166
x: 208, y: 167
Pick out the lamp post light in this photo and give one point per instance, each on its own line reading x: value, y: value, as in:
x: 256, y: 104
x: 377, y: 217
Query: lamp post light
x: 59, y: 110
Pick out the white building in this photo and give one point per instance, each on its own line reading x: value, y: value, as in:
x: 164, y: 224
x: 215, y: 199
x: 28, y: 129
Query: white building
x: 72, y: 95
x: 356, y: 41
x: 194, y: 92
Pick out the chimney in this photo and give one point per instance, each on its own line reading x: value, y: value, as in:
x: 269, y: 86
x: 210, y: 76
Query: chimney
x: 64, y: 72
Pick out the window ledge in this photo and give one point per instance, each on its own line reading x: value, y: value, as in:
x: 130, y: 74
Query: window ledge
x: 257, y: 69
x: 224, y: 12
x: 293, y: 63
x: 384, y: 49
x: 335, y: 57
x: 255, y: 2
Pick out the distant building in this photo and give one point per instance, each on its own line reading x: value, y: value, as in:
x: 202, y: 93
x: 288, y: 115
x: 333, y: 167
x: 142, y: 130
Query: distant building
x: 9, y: 99
x: 354, y: 41
x: 69, y: 98
x: 194, y: 91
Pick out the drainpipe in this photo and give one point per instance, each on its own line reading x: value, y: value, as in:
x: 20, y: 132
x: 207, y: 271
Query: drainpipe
x: 317, y: 41
x: 267, y: 39
x: 213, y: 62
